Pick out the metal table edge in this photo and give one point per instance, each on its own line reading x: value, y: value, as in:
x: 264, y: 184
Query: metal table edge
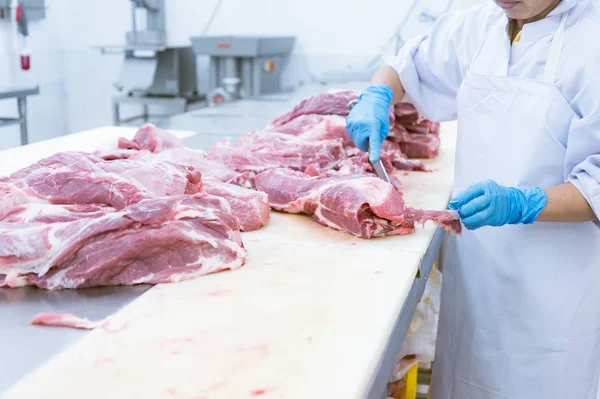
x: 378, y: 384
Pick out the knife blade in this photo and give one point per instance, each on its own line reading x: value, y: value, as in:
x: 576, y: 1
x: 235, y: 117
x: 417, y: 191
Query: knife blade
x: 377, y: 165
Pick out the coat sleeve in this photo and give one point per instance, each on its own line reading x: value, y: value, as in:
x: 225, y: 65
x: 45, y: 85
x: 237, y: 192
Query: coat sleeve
x: 583, y: 158
x: 430, y: 70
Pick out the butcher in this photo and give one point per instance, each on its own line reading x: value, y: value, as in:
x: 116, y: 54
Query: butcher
x: 520, y: 314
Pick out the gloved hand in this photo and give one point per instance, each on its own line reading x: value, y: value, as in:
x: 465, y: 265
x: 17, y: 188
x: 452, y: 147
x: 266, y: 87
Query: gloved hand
x: 489, y: 204
x: 370, y: 120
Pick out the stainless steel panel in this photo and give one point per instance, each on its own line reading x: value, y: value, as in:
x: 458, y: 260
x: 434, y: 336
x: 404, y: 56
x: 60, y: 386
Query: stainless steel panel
x: 27, y: 347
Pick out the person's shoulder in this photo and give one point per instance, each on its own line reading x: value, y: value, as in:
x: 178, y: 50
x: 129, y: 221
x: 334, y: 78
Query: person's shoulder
x: 582, y: 38
x: 579, y: 59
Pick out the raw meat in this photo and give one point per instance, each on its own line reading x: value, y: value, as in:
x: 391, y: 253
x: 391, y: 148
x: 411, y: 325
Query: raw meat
x: 421, y: 145
x: 300, y: 124
x: 392, y: 154
x: 260, y: 151
x: 448, y: 220
x: 153, y: 144
x: 79, y: 178
x: 328, y: 103
x: 407, y: 114
x: 250, y: 207
x: 150, y: 138
x: 157, y: 240
x: 109, y: 323
x: 364, y: 206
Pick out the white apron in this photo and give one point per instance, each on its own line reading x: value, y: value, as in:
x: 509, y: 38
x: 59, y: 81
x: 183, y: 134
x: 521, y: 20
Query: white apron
x: 520, y: 313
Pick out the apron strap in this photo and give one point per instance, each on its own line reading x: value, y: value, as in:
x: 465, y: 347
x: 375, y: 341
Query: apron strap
x: 555, y: 50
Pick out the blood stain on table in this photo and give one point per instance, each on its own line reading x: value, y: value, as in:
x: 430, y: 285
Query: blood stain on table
x: 258, y: 392
x: 377, y: 272
x: 219, y: 292
x: 216, y: 386
x: 262, y: 350
x: 103, y: 360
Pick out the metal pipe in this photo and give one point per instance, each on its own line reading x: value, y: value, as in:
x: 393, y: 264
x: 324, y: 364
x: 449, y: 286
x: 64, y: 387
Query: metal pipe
x: 22, y: 105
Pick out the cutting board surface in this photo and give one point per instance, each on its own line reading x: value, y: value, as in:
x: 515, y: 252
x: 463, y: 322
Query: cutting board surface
x: 308, y: 316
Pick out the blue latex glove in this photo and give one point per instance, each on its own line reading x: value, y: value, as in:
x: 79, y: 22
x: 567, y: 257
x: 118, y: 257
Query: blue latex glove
x: 489, y: 204
x: 370, y: 119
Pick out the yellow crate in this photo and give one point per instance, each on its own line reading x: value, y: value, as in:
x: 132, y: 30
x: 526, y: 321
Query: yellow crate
x: 408, y: 387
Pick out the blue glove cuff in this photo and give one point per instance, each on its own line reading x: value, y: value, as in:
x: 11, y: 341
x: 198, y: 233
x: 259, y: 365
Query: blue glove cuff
x: 383, y: 92
x: 533, y: 201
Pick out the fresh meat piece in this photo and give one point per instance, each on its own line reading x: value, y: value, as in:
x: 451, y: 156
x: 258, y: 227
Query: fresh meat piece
x: 199, y: 160
x: 79, y: 178
x: 150, y: 138
x: 448, y: 220
x: 332, y: 127
x: 421, y: 145
x: 48, y: 213
x: 157, y: 240
x: 328, y: 103
x: 10, y: 195
x: 364, y: 206
x: 398, y: 134
x: 299, y: 125
x: 423, y: 127
x: 407, y: 114
x: 70, y: 320
x: 250, y: 207
x: 393, y: 158
x: 317, y: 127
x: 259, y: 151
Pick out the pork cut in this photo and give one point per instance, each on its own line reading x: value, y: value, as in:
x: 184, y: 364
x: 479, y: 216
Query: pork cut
x: 421, y: 145
x: 260, y: 151
x: 150, y: 138
x: 80, y: 178
x: 250, y: 207
x: 157, y: 240
x: 362, y: 205
x: 329, y: 103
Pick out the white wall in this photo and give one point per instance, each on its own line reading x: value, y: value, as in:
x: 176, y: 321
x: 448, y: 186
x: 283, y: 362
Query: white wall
x: 76, y: 80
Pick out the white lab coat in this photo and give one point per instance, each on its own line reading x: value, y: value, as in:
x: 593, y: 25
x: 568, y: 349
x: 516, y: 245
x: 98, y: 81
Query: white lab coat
x: 520, y: 316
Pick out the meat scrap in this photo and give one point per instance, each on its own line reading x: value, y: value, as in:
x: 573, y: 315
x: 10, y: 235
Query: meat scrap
x: 364, y: 206
x: 158, y: 240
x: 110, y: 323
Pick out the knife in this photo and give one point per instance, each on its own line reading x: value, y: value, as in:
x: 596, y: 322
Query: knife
x: 377, y: 165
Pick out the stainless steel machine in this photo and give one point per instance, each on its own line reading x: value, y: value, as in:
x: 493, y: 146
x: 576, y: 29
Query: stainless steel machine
x: 154, y: 73
x: 243, y: 66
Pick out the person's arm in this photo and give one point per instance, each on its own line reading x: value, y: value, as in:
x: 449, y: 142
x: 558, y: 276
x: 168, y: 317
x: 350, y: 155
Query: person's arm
x: 430, y: 66
x: 389, y: 77
x: 490, y: 204
x: 566, y: 204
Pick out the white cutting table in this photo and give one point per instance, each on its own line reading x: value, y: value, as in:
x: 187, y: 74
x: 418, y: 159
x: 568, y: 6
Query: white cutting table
x: 314, y: 313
